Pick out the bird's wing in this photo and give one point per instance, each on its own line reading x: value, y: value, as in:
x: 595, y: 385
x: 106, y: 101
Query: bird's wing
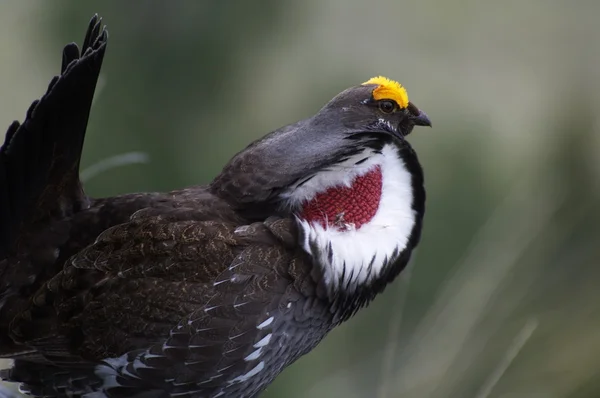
x: 171, y: 302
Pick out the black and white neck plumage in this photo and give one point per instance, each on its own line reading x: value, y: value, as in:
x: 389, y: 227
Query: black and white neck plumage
x: 357, y: 219
x: 208, y: 291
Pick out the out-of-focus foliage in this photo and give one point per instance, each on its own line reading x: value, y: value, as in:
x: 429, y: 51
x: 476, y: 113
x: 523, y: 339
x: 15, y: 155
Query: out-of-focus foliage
x: 501, y: 300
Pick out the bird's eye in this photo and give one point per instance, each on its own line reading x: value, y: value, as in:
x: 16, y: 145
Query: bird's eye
x: 387, y: 106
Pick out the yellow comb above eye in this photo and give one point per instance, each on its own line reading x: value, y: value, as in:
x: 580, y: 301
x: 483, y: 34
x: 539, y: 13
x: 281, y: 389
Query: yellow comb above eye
x: 388, y: 89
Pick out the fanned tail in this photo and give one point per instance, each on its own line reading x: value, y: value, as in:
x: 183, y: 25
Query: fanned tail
x: 39, y: 176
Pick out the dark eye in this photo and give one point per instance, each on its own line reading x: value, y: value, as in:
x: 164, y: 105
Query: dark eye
x: 387, y: 106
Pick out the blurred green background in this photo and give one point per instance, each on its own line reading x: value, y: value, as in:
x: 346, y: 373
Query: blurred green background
x: 502, y: 297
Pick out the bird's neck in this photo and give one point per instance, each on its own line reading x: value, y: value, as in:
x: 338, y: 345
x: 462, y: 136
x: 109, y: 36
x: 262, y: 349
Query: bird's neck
x: 357, y: 217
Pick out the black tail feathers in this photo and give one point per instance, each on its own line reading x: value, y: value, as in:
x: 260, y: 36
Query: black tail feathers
x: 39, y: 161
x: 39, y: 179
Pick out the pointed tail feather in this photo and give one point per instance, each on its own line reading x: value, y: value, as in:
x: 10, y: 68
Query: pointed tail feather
x: 39, y: 176
x: 39, y: 161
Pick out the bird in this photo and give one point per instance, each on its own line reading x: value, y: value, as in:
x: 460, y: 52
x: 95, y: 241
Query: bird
x: 207, y: 291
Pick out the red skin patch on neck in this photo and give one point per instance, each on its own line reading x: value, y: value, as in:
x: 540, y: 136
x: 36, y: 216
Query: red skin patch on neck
x: 342, y: 206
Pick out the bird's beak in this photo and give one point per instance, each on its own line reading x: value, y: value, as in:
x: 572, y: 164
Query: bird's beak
x: 418, y: 117
x: 422, y: 119
x: 415, y: 117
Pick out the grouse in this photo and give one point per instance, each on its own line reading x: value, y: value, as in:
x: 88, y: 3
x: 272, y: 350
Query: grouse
x: 207, y: 291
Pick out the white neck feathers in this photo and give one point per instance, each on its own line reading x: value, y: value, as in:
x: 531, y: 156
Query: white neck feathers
x: 353, y: 257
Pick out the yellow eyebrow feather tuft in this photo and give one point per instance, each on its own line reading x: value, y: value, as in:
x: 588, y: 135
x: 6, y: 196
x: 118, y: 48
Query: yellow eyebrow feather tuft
x: 388, y: 89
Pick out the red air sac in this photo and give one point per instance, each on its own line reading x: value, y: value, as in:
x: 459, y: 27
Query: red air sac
x: 342, y: 206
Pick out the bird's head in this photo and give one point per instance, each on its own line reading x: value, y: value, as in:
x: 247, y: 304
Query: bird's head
x: 347, y: 174
x: 379, y: 106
